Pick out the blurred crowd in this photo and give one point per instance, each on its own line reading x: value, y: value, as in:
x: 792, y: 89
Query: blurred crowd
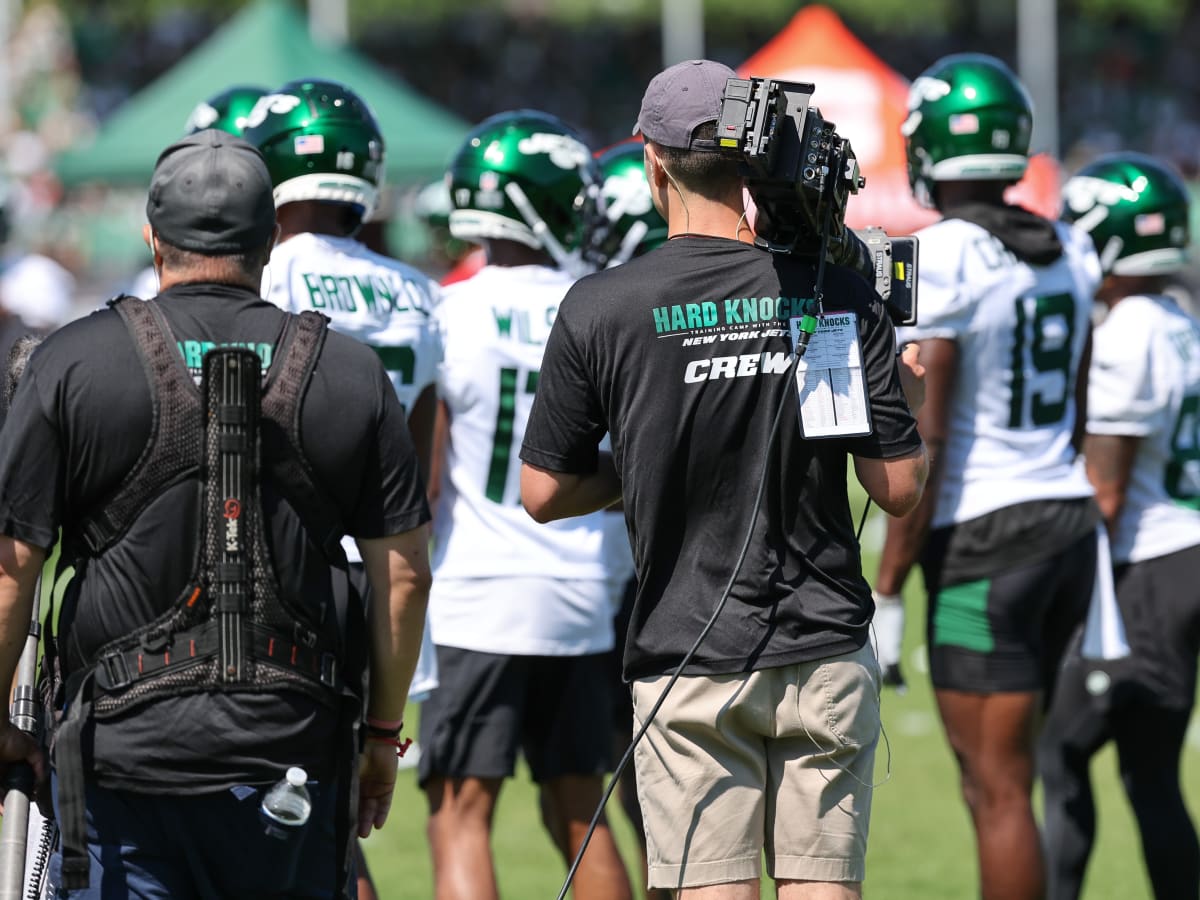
x: 66, y: 74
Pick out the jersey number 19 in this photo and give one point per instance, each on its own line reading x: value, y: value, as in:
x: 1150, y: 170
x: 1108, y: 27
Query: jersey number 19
x: 1041, y: 360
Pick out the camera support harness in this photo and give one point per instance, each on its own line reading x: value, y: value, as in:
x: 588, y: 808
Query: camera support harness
x: 230, y: 629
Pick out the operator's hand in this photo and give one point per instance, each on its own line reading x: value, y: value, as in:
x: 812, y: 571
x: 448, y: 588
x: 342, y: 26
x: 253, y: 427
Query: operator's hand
x: 376, y: 781
x: 887, y: 630
x: 16, y: 747
x: 912, y: 376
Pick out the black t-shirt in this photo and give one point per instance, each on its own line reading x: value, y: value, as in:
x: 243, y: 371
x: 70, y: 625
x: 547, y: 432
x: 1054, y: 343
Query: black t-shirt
x: 80, y: 419
x: 682, y: 355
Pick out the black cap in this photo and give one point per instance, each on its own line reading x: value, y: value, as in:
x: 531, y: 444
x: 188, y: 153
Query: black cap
x: 211, y: 194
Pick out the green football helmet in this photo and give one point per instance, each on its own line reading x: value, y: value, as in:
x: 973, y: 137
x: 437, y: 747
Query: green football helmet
x: 321, y: 142
x: 1136, y: 210
x: 525, y: 176
x: 226, y: 111
x: 969, y: 119
x: 633, y: 225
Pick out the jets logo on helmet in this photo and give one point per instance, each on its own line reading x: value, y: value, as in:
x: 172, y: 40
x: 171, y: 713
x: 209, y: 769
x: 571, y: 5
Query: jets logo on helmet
x: 321, y: 142
x: 562, y: 150
x: 271, y: 104
x: 926, y: 90
x: 1136, y: 210
x: 969, y: 119
x: 1086, y: 200
x: 202, y: 116
x: 526, y: 176
x: 227, y: 111
x: 625, y: 192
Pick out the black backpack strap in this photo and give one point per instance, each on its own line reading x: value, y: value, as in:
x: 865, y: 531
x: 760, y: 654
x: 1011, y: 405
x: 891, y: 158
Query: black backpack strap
x: 174, y: 444
x: 283, y: 454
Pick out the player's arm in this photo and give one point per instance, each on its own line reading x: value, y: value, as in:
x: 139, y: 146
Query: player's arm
x: 1109, y: 460
x: 548, y: 495
x: 906, y: 534
x: 439, y: 452
x: 1079, y: 432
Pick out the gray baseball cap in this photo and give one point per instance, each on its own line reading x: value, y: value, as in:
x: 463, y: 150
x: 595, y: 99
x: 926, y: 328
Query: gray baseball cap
x: 211, y: 193
x: 679, y: 99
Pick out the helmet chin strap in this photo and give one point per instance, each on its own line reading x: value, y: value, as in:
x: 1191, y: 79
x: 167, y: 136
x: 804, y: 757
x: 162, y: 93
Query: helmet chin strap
x: 564, y: 259
x: 629, y: 243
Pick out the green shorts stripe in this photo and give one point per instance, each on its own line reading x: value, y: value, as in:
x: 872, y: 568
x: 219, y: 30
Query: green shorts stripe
x: 961, y: 618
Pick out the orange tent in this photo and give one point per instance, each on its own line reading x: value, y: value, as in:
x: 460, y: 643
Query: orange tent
x: 868, y: 101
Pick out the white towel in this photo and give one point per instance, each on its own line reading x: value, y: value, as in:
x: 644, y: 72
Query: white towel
x: 1104, y: 633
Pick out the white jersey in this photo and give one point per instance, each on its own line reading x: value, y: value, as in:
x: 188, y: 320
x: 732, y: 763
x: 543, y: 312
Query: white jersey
x: 1145, y: 383
x: 1020, y: 331
x: 495, y: 326
x: 374, y: 299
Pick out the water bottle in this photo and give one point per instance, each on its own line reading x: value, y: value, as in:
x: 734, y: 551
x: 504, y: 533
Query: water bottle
x: 286, y: 806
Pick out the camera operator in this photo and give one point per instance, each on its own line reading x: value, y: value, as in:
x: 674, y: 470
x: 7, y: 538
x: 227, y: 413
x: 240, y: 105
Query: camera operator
x: 683, y: 354
x: 158, y: 766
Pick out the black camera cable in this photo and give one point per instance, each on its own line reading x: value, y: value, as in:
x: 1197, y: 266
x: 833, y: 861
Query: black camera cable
x: 808, y: 325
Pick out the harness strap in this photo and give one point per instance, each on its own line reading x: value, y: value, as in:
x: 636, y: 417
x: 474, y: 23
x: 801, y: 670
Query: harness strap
x: 345, y: 821
x: 72, y: 797
x: 281, y: 432
x: 173, y: 447
x: 120, y: 668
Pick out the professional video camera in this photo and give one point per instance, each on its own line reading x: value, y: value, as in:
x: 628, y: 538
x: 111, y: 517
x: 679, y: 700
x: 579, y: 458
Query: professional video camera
x: 801, y: 173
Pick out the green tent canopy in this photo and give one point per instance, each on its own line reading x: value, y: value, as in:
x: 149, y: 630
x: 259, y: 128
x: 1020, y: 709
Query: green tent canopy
x: 266, y: 44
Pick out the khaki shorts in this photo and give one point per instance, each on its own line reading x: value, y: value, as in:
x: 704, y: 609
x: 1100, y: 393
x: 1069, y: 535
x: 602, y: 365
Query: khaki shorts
x: 780, y: 760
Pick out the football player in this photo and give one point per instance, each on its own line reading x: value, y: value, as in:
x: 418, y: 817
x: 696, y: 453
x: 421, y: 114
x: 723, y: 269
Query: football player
x: 1006, y: 530
x: 521, y: 613
x: 1143, y: 456
x: 325, y: 153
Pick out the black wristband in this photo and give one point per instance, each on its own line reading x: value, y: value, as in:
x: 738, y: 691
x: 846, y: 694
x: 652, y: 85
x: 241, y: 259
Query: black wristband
x: 375, y: 731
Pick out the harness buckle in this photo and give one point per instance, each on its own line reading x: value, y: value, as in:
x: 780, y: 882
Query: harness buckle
x: 328, y: 670
x: 116, y: 670
x: 155, y: 641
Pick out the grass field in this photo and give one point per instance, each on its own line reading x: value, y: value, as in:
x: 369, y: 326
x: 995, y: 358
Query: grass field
x: 921, y: 844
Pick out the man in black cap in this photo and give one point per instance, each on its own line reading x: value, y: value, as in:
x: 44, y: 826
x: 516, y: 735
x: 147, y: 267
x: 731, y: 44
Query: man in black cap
x: 208, y: 639
x: 767, y: 741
